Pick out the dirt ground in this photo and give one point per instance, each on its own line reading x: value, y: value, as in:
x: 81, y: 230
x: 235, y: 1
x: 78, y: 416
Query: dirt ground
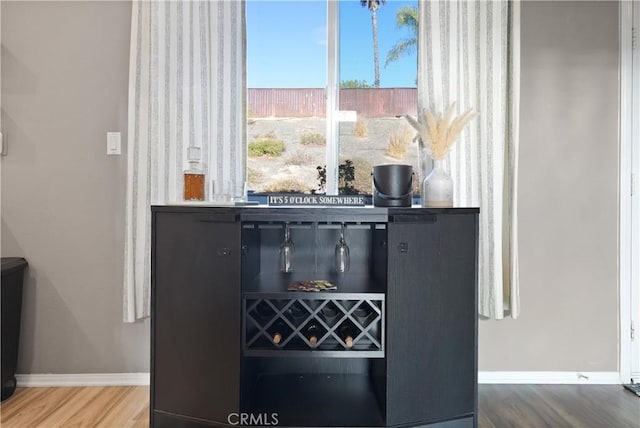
x: 296, y: 169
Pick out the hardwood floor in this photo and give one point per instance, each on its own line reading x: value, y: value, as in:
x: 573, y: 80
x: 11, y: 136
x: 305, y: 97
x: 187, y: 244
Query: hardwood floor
x: 500, y: 406
x: 557, y: 406
x: 107, y: 407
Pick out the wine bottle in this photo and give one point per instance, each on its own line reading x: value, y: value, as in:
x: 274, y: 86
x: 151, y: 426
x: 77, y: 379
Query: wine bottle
x: 312, y: 332
x: 361, y: 313
x: 278, y: 332
x: 264, y: 311
x: 329, y: 314
x: 296, y: 314
x: 347, y: 334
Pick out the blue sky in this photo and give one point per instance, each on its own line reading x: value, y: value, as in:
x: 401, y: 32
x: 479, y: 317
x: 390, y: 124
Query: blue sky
x: 286, y: 46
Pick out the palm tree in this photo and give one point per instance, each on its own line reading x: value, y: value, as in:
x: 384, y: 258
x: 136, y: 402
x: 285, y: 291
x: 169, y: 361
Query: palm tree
x: 406, y: 17
x: 373, y: 6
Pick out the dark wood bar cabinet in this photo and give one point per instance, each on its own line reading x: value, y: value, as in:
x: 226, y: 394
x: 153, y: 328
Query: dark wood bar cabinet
x: 394, y: 345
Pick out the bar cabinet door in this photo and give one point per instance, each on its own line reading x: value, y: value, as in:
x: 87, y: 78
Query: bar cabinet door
x: 431, y: 319
x: 196, y: 315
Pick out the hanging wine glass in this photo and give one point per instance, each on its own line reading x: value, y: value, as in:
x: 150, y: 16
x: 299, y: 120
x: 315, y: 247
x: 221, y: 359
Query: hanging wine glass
x: 286, y: 252
x: 342, y: 252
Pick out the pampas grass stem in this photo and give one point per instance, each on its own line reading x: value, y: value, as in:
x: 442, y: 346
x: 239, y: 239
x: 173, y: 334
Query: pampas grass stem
x: 439, y: 132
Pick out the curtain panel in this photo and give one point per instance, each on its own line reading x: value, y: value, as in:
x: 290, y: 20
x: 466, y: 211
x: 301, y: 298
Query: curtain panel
x: 469, y: 53
x: 186, y: 89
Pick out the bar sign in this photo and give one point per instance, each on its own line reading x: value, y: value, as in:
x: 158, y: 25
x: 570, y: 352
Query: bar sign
x: 294, y: 199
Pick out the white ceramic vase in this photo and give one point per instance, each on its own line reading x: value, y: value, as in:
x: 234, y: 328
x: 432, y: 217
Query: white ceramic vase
x: 437, y: 188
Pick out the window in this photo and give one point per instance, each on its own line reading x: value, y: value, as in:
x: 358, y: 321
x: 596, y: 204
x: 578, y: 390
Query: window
x: 313, y: 98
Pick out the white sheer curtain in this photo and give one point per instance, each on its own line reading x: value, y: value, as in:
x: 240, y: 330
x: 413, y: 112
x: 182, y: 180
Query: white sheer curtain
x: 186, y: 88
x: 469, y: 53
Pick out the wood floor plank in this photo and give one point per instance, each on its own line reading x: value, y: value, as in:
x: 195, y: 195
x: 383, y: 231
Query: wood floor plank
x: 558, y: 406
x: 598, y: 405
x: 34, y: 410
x: 19, y: 400
x: 98, y: 409
x: 499, y: 406
x: 133, y: 407
x: 483, y: 419
x: 76, y: 400
x: 513, y: 406
x: 141, y: 420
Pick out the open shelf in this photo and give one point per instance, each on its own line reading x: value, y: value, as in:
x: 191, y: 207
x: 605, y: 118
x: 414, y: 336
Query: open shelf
x: 317, y: 400
x: 349, y: 282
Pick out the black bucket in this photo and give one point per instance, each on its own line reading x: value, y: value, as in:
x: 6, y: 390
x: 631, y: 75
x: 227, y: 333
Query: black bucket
x: 392, y: 185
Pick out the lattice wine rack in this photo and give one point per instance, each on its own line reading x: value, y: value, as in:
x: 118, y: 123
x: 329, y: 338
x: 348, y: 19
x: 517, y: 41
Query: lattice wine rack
x: 327, y: 325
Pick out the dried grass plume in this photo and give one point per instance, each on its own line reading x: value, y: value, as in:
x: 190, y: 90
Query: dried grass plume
x: 439, y: 132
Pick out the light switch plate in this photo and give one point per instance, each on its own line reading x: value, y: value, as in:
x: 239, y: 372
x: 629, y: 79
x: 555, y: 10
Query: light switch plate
x: 113, y: 143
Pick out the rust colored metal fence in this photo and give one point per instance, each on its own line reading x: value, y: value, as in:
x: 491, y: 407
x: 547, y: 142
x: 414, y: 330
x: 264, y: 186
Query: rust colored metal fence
x: 283, y: 102
x: 381, y: 102
x: 310, y: 102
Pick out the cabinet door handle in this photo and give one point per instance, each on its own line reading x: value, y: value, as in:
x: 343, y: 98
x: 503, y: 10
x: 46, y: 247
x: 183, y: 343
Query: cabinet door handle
x: 230, y: 217
x: 403, y: 247
x: 414, y: 218
x: 224, y: 252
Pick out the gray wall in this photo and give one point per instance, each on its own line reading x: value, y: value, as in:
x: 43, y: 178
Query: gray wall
x: 568, y: 195
x: 64, y: 85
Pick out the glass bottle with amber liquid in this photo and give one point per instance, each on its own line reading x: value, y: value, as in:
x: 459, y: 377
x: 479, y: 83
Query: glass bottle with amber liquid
x: 194, y: 176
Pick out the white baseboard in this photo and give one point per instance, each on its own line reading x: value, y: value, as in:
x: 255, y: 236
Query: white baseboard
x: 84, y: 379
x: 122, y: 379
x: 576, y: 378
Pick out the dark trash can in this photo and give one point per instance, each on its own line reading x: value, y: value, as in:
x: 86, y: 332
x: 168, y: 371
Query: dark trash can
x: 11, y: 301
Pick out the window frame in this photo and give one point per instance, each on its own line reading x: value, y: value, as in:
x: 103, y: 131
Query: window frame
x: 332, y: 96
x: 332, y: 102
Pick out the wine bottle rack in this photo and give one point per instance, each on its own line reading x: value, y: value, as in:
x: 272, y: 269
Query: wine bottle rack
x: 342, y: 325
